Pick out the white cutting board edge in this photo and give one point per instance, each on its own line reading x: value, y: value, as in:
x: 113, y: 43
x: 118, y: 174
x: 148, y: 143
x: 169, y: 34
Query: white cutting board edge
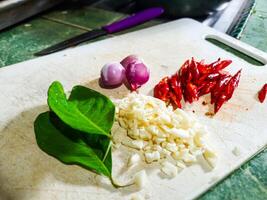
x: 24, y: 85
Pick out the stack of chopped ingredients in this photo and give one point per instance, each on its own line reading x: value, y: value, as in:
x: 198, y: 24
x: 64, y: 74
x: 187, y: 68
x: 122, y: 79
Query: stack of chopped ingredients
x: 161, y: 134
x: 195, y: 79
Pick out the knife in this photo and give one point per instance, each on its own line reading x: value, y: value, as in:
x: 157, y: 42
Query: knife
x: 128, y: 22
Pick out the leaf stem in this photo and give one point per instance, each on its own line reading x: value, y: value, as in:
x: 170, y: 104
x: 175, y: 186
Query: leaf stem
x: 116, y: 185
x: 107, y: 151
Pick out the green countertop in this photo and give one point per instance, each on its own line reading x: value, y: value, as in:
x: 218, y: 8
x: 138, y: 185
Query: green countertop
x: 18, y: 44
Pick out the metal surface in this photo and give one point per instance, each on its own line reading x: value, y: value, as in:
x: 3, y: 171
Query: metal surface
x: 184, y: 8
x: 241, y: 19
x: 236, y: 11
x: 226, y: 16
x: 14, y: 11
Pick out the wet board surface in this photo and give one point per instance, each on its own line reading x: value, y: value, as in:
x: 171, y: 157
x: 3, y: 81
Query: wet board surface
x: 28, y: 173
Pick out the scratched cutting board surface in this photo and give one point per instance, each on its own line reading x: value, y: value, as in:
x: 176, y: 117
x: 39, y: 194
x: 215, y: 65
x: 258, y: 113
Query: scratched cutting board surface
x: 28, y: 173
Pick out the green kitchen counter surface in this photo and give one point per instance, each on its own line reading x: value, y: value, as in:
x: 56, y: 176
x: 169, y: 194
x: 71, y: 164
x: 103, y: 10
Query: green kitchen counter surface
x: 19, y: 43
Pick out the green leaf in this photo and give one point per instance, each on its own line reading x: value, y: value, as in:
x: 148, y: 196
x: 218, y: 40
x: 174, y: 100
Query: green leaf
x: 71, y: 146
x: 86, y: 110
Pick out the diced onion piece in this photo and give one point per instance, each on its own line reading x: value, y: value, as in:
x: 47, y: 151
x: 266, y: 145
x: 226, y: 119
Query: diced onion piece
x: 136, y: 144
x: 137, y: 197
x: 152, y: 156
x: 171, y: 147
x: 180, y: 164
x: 169, y: 169
x: 210, y: 157
x: 140, y: 179
x: 179, y: 133
x: 236, y: 151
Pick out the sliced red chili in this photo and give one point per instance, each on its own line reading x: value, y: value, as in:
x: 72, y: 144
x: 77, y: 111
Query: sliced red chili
x: 213, y: 76
x: 232, y: 85
x: 194, y: 70
x: 214, y: 67
x: 176, y: 103
x: 208, y: 77
x: 195, y: 79
x: 221, y: 65
x: 224, y: 73
x: 206, y: 69
x: 219, y: 102
x: 184, y: 72
x: 192, y: 92
x: 186, y: 95
x: 226, y: 91
x: 262, y: 93
x: 161, y: 90
x: 206, y: 88
x: 219, y: 87
x: 175, y: 85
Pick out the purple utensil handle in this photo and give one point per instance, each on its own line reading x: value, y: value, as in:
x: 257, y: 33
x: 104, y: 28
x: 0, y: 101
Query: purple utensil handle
x: 134, y: 20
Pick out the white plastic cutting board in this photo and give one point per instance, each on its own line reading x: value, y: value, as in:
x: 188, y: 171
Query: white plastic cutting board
x: 28, y: 173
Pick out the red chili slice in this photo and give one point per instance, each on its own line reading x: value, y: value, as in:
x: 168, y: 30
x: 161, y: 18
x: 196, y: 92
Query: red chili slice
x: 194, y: 70
x: 262, y: 93
x: 219, y: 102
x: 221, y: 65
x: 232, y: 85
x: 226, y: 92
x: 206, y: 88
x: 208, y: 77
x: 161, y: 90
x: 214, y: 67
x: 191, y: 92
x: 218, y: 88
x: 176, y: 103
x: 184, y: 72
x: 175, y: 85
x: 206, y: 69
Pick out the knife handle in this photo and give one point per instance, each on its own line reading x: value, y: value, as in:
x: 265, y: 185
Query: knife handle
x: 133, y: 20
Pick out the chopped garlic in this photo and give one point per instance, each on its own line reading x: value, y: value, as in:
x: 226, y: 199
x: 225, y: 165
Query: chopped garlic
x: 180, y: 164
x: 189, y: 158
x: 137, y: 197
x: 140, y: 179
x: 171, y: 147
x: 169, y: 169
x: 176, y: 155
x: 152, y: 156
x: 236, y: 151
x: 159, y: 133
x: 179, y: 133
x: 136, y: 144
x: 164, y: 117
x: 211, y: 157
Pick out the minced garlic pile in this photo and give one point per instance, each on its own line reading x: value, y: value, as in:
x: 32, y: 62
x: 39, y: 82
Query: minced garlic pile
x: 161, y: 134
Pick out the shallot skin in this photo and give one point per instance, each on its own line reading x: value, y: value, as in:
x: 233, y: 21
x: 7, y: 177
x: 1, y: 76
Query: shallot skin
x: 112, y: 74
x: 129, y: 59
x: 136, y: 73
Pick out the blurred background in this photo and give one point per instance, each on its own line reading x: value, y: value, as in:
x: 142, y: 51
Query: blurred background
x: 208, y: 11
